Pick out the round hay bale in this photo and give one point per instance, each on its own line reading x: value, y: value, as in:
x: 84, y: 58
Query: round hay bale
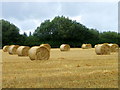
x: 86, y: 46
x: 106, y: 43
x: 95, y: 45
x: 5, y: 48
x: 39, y: 53
x: 13, y: 49
x: 46, y: 45
x: 23, y: 50
x: 113, y: 47
x: 102, y: 49
x: 65, y: 47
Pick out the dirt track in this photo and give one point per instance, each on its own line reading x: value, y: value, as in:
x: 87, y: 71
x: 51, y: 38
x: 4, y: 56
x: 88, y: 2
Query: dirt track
x: 76, y: 68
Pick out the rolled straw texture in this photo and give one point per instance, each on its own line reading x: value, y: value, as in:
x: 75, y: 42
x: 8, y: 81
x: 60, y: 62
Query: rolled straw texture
x: 23, y: 51
x: 5, y: 48
x: 39, y: 53
x: 13, y: 49
x: 113, y: 47
x: 46, y: 45
x: 102, y: 49
x: 86, y: 46
x: 65, y: 47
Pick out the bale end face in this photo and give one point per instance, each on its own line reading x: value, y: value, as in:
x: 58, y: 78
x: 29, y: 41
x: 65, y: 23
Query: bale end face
x: 46, y: 45
x: 39, y: 53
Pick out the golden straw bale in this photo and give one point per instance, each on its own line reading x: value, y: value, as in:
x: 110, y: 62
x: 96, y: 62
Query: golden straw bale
x: 23, y: 51
x: 106, y: 43
x: 46, y: 45
x: 102, y: 49
x: 65, y: 47
x: 95, y: 45
x: 39, y: 53
x: 5, y: 48
x: 12, y: 49
x: 113, y: 47
x: 86, y: 46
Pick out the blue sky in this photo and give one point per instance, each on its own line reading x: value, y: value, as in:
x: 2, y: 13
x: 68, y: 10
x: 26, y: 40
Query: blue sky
x: 27, y: 16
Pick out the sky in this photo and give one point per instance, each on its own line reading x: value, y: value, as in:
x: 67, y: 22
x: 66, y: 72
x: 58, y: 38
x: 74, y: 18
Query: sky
x: 27, y: 16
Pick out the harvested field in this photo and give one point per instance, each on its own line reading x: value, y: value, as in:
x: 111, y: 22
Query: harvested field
x: 76, y: 68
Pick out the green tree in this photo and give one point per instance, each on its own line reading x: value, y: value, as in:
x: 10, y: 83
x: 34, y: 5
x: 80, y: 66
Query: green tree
x: 30, y: 34
x: 43, y: 32
x: 25, y: 34
x: 56, y: 32
x: 32, y: 41
x: 64, y: 30
x: 93, y: 37
x: 110, y: 37
x: 10, y: 33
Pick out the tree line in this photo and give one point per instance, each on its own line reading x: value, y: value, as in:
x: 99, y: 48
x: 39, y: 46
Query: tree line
x: 56, y: 32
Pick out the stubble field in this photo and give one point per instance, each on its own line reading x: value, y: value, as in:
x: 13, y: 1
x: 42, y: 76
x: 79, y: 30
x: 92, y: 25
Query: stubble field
x: 77, y: 68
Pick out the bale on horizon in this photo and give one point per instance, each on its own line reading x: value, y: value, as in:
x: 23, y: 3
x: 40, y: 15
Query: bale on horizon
x: 65, y: 47
x: 86, y: 46
x: 5, y: 48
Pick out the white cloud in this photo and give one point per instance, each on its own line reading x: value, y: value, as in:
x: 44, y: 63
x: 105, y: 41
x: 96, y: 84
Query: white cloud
x: 28, y: 16
x: 59, y: 0
x: 77, y: 18
x: 26, y: 31
x: 26, y: 25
